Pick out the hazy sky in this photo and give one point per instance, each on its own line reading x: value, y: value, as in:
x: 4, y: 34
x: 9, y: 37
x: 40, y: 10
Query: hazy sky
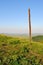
x: 14, y: 16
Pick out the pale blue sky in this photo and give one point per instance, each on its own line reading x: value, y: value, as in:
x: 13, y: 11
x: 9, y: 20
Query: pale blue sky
x: 14, y: 16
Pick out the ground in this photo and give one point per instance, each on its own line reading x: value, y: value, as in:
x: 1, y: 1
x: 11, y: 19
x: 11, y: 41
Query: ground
x: 19, y: 51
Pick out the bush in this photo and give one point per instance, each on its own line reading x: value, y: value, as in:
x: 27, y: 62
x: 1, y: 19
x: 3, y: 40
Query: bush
x: 15, y: 42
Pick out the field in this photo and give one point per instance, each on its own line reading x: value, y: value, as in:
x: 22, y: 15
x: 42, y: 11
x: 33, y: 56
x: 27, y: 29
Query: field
x: 18, y: 51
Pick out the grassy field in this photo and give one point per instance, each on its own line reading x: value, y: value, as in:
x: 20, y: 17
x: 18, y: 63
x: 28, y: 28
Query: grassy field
x: 18, y: 51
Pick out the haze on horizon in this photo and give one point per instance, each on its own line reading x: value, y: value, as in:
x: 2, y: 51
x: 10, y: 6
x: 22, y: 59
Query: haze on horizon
x: 14, y: 16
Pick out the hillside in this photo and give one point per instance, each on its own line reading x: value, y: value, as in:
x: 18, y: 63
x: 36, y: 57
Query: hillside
x: 38, y: 38
x: 18, y: 51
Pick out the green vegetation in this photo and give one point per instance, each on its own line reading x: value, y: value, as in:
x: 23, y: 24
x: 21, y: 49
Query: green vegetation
x: 38, y: 38
x: 18, y: 51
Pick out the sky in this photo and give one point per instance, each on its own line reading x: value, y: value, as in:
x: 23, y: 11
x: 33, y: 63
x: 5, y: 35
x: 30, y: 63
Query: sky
x: 14, y: 16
